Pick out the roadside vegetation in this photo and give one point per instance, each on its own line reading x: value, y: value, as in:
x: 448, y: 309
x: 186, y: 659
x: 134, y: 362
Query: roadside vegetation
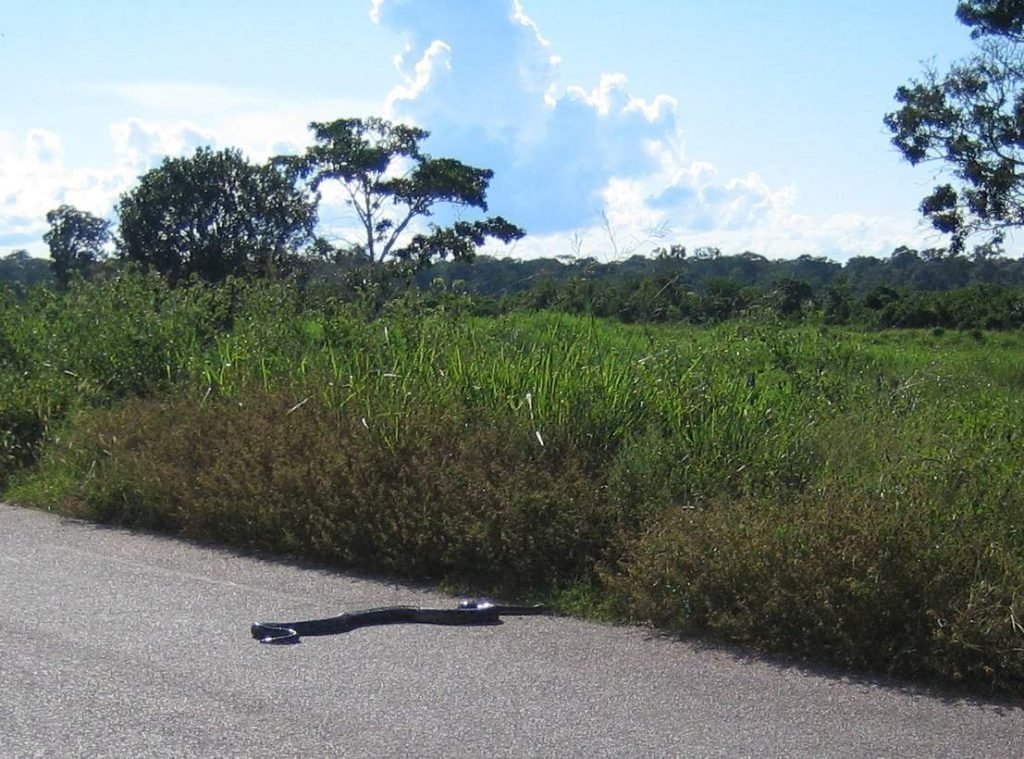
x: 806, y: 458
x: 845, y: 497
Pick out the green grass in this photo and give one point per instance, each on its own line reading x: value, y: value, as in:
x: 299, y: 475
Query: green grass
x: 842, y: 497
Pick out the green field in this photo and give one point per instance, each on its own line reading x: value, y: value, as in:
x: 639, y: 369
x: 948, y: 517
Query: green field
x: 844, y: 497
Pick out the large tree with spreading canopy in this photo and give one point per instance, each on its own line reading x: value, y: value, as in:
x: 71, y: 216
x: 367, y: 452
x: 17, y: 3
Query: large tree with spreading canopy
x: 970, y: 121
x: 389, y: 183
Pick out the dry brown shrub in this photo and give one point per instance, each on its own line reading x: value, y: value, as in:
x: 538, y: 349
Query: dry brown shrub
x: 448, y: 498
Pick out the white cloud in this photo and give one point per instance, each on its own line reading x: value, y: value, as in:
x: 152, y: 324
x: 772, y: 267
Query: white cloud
x: 484, y: 70
x: 375, y: 10
x: 36, y: 175
x: 34, y: 179
x: 139, y: 145
x: 260, y: 124
x: 437, y: 56
x: 486, y: 83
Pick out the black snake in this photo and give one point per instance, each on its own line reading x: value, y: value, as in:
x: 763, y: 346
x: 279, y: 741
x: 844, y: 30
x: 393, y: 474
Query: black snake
x: 466, y: 613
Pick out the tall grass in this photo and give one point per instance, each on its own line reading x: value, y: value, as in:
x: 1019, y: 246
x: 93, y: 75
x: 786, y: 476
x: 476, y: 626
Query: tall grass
x: 851, y: 498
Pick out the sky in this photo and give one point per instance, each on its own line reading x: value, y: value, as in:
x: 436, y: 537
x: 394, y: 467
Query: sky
x: 612, y: 126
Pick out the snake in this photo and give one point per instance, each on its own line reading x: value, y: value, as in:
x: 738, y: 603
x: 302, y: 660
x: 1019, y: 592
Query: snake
x: 468, y: 612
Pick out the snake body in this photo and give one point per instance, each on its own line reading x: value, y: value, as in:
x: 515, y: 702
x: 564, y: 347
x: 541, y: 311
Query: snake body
x: 467, y: 613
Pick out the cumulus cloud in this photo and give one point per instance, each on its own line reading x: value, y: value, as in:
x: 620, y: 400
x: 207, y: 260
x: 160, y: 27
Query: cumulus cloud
x: 597, y: 164
x: 34, y: 179
x: 140, y: 145
x: 490, y: 61
x: 260, y: 124
x: 36, y: 176
x: 487, y: 85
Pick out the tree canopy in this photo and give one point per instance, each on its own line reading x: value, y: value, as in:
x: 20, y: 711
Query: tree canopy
x: 389, y: 182
x: 76, y: 239
x: 19, y: 269
x: 993, y: 17
x: 971, y: 120
x: 214, y: 215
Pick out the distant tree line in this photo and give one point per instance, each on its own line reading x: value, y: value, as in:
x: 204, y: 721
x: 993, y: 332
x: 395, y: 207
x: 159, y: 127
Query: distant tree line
x: 910, y: 288
x: 930, y: 270
x: 19, y: 270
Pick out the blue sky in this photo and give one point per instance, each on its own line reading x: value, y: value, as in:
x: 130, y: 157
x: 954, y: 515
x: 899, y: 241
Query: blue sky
x: 612, y: 126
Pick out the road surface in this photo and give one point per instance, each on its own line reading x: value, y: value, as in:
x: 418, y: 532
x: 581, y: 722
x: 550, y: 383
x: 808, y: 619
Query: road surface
x: 121, y: 644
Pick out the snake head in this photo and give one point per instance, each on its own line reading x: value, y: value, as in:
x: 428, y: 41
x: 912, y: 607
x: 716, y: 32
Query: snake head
x: 274, y: 634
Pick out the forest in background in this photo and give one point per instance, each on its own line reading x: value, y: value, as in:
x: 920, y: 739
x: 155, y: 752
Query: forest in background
x: 909, y: 289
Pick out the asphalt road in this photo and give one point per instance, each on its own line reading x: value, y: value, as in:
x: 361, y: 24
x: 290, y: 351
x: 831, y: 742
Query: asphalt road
x: 120, y: 644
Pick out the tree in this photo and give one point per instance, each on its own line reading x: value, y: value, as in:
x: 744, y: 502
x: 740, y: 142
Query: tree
x: 788, y: 297
x: 838, y: 301
x: 19, y: 269
x: 972, y: 121
x: 214, y: 215
x: 389, y: 182
x: 76, y: 239
x: 993, y: 17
